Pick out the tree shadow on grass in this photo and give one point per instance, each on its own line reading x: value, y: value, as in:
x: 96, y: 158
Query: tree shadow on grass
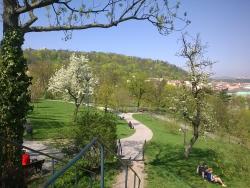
x: 170, y: 159
x: 34, y: 118
x: 47, y: 128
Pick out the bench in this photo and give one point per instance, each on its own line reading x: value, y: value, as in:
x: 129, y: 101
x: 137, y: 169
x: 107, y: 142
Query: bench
x: 33, y: 167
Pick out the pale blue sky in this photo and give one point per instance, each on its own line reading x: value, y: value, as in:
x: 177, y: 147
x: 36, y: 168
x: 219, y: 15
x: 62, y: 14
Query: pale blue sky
x: 223, y: 24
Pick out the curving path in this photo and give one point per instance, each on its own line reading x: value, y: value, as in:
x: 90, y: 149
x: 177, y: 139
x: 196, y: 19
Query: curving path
x: 132, y: 147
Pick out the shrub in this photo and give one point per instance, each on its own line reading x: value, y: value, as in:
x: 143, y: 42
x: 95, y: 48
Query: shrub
x: 93, y: 123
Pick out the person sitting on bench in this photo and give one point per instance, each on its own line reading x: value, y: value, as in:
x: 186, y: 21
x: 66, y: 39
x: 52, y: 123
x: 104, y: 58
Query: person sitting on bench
x: 214, y: 178
x: 130, y: 125
x: 25, y: 158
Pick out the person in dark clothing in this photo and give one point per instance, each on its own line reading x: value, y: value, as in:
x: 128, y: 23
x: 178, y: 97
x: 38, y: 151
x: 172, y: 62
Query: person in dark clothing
x: 130, y: 125
x: 201, y: 170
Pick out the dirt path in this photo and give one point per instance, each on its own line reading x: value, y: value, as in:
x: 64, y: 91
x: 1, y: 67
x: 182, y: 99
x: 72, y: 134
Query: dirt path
x: 132, y: 147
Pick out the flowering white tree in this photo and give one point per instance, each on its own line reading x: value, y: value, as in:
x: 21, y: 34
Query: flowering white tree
x: 193, y: 102
x: 75, y: 81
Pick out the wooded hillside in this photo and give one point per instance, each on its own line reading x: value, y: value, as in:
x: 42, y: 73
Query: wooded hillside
x: 124, y: 65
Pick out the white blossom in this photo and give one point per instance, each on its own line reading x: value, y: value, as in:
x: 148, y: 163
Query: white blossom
x: 74, y: 81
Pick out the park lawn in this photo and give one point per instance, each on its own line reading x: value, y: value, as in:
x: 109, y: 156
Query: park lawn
x: 166, y: 166
x: 52, y: 119
x: 123, y: 129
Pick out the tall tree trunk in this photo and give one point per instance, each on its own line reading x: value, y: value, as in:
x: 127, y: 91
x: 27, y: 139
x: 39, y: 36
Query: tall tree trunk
x: 10, y: 18
x: 76, y: 111
x: 138, y: 104
x: 14, y: 97
x: 106, y: 108
x: 195, y: 123
x: 189, y: 146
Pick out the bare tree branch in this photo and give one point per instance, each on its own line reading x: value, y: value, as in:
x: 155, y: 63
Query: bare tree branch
x: 32, y: 19
x: 69, y: 16
x: 81, y: 27
x: 37, y: 4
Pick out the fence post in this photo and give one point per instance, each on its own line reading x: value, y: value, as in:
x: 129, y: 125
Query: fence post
x: 76, y: 176
x: 134, y: 181
x: 102, y: 165
x: 119, y: 148
x: 53, y: 166
x: 143, y: 150
x: 126, y: 176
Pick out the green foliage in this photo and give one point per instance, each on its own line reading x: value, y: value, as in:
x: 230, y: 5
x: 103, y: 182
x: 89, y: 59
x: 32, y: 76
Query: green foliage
x: 100, y: 61
x: 40, y: 72
x: 53, y: 120
x: 14, y: 98
x: 112, y: 71
x: 94, y: 123
x: 232, y: 115
x: 138, y: 86
x: 83, y: 178
x: 167, y: 167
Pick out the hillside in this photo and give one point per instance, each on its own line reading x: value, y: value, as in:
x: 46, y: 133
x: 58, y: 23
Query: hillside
x: 124, y: 65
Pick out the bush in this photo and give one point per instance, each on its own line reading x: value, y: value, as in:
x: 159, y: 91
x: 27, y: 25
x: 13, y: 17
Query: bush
x: 93, y: 123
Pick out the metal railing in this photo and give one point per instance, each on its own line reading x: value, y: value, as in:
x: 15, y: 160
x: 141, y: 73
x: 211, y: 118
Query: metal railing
x: 82, y: 152
x: 53, y: 158
x: 102, y: 147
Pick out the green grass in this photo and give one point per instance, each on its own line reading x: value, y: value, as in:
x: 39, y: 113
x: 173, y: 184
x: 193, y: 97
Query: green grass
x: 123, y: 129
x: 53, y: 119
x: 166, y: 166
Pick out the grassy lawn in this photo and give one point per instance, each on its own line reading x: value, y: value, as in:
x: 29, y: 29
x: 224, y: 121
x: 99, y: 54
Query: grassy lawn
x: 53, y: 119
x: 166, y: 166
x: 123, y: 130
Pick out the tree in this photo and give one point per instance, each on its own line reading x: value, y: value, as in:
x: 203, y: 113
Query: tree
x: 108, y: 82
x: 157, y: 93
x: 40, y: 73
x: 19, y: 18
x: 138, y: 87
x: 104, y: 94
x: 74, y: 82
x: 194, y: 104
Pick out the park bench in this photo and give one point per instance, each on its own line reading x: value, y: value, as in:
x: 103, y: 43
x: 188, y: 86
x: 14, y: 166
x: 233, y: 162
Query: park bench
x: 34, y: 167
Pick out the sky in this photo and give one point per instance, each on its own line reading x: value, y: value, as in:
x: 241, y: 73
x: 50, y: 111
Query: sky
x: 224, y: 25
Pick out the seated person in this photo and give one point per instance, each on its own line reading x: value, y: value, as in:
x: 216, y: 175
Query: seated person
x: 214, y: 178
x: 130, y: 125
x: 25, y: 158
x: 201, y: 170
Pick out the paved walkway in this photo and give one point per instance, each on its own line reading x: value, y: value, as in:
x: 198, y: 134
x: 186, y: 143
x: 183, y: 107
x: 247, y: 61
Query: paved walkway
x: 43, y: 146
x: 132, y: 147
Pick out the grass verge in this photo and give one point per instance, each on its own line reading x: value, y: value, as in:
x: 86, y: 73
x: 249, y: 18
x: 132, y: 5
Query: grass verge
x: 166, y: 166
x: 53, y: 120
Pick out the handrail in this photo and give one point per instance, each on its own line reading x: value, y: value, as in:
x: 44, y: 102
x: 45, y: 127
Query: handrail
x: 39, y: 152
x: 70, y: 163
x: 81, y: 153
x: 36, y: 151
x: 119, y: 159
x: 76, y: 158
